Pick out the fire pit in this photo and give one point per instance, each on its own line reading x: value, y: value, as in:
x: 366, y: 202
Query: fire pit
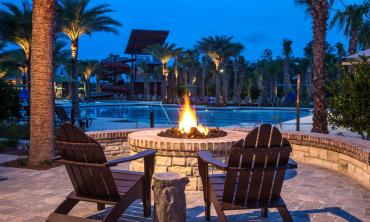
x: 188, y: 126
x: 176, y: 147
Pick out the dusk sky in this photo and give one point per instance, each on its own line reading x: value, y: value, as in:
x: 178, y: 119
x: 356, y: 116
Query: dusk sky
x: 257, y: 24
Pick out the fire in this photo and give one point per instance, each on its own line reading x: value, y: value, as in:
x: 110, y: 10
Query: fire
x: 188, y: 119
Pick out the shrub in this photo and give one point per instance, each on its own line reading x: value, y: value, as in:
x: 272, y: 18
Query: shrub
x: 350, y: 101
x: 9, y: 101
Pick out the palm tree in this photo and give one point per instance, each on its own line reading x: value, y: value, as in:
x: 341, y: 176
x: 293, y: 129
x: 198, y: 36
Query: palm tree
x: 89, y: 67
x: 164, y: 53
x: 42, y: 96
x: 237, y: 62
x: 16, y: 27
x: 75, y: 20
x: 219, y: 49
x: 287, y: 52
x: 352, y: 20
x: 319, y: 10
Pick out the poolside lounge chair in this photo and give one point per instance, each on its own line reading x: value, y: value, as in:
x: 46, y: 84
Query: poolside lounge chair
x: 94, y: 181
x: 63, y: 117
x: 254, y: 174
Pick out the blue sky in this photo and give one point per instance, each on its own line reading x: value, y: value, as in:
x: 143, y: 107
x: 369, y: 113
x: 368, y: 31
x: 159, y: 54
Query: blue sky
x: 258, y: 24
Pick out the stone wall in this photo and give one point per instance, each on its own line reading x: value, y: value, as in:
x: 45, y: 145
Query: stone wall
x: 114, y: 142
x: 349, y: 156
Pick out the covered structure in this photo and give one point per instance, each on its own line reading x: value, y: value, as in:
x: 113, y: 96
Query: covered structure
x: 355, y: 58
x: 143, y: 79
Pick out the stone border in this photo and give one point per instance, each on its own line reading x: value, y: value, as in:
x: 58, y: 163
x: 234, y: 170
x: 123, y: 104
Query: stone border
x: 350, y: 156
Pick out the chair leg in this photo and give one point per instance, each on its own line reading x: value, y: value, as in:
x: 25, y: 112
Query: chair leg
x: 100, y: 206
x: 285, y: 215
x: 117, y: 210
x: 146, y: 206
x: 66, y: 206
x: 264, y: 212
x: 207, y: 210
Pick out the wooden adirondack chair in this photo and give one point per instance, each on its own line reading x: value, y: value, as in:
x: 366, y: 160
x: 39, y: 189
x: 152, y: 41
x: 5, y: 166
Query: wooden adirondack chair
x: 254, y: 174
x: 94, y: 181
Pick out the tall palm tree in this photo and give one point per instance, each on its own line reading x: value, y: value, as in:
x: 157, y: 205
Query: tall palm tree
x: 89, y: 67
x: 77, y: 19
x: 237, y: 62
x: 287, y: 52
x: 164, y: 53
x: 16, y: 27
x: 219, y: 49
x: 319, y: 10
x: 351, y: 18
x: 42, y: 96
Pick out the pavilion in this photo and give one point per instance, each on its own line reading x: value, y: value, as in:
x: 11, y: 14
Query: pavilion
x: 138, y: 41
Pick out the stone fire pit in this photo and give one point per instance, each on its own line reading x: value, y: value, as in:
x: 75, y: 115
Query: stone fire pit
x: 179, y: 155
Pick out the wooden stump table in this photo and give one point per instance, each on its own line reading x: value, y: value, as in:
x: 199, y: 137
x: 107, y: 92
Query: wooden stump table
x: 169, y: 197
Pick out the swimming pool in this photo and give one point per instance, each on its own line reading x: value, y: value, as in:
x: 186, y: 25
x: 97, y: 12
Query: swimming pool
x: 167, y: 115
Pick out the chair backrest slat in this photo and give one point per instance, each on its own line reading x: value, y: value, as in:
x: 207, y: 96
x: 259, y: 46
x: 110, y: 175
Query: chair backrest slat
x: 264, y: 147
x: 244, y: 177
x: 232, y: 176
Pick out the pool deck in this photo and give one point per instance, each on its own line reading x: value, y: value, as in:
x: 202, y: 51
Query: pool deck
x: 311, y: 194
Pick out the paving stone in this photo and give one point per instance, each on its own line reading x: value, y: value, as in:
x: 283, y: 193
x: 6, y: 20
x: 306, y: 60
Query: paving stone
x: 311, y: 194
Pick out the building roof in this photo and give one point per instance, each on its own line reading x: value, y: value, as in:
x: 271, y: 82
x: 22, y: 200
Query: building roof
x: 141, y: 39
x: 353, y: 59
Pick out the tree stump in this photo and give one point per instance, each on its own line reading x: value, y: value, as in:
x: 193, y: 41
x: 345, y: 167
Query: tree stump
x: 169, y: 197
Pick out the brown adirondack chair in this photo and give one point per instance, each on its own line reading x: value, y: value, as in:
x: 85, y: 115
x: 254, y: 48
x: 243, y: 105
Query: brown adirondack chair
x: 254, y: 174
x: 94, y: 181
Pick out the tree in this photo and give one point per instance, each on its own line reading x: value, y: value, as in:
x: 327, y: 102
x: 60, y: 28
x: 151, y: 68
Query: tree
x: 237, y: 63
x: 16, y: 27
x: 352, y: 20
x: 349, y: 104
x: 287, y: 52
x: 75, y: 20
x: 164, y: 53
x: 219, y: 49
x: 364, y: 35
x: 42, y: 95
x: 9, y: 101
x: 90, y: 67
x: 319, y: 10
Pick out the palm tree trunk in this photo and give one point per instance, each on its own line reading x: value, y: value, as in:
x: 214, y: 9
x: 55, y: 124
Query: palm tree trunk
x: 353, y: 41
x: 320, y: 16
x: 74, y: 85
x: 225, y: 83
x: 218, y: 87
x: 42, y: 104
x: 286, y: 77
x: 164, y: 83
x: 203, y: 82
x: 236, y: 80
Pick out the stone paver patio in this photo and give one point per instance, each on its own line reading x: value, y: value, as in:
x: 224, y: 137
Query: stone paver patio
x: 311, y: 193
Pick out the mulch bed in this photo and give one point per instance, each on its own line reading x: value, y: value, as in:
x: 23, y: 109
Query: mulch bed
x: 23, y: 164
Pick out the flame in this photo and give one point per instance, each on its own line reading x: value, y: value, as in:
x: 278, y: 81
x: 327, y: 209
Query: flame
x: 188, y: 119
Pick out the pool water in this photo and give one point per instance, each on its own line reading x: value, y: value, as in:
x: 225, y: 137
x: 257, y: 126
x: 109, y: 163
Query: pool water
x: 209, y: 116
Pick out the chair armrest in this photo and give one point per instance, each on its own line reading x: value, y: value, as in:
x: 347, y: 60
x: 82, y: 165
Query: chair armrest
x: 206, y: 157
x: 140, y: 155
x: 291, y: 164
